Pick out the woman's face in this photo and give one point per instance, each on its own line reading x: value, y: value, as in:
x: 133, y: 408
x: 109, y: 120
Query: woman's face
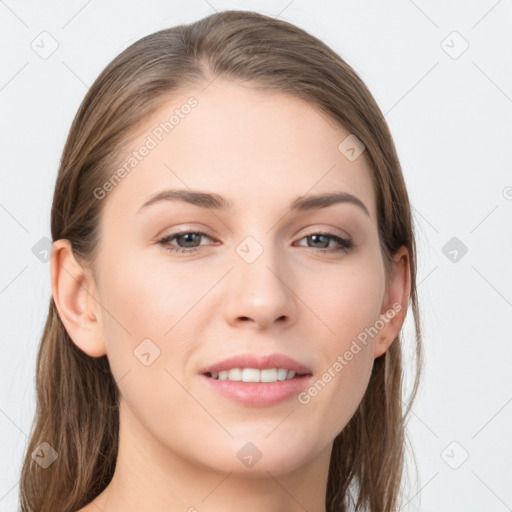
x: 258, y: 281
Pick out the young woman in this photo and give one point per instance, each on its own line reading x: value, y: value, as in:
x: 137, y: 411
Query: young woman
x: 233, y: 259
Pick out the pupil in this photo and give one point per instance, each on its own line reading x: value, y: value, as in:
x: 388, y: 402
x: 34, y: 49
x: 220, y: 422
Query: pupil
x: 317, y: 236
x: 187, y: 237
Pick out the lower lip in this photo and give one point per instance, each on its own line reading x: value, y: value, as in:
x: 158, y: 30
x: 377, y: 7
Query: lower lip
x: 259, y: 394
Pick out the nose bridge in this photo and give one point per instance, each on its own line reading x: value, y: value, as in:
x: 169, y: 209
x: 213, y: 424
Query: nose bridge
x: 259, y: 290
x: 260, y: 263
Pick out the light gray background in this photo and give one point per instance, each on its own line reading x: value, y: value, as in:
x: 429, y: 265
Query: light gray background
x: 450, y: 114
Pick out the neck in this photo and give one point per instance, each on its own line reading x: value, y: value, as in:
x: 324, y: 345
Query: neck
x: 151, y: 477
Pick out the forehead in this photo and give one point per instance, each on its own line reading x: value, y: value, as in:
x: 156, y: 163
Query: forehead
x: 256, y: 148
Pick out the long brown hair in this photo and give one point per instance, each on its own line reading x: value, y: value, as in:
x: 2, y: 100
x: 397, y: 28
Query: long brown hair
x: 77, y: 398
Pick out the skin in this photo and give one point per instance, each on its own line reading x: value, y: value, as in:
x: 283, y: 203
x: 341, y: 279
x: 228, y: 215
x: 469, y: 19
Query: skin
x: 178, y: 438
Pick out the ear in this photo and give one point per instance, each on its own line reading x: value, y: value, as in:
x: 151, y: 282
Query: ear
x: 76, y: 301
x: 395, y: 302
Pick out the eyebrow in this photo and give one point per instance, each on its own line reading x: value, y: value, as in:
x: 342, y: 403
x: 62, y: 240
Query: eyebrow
x: 218, y: 202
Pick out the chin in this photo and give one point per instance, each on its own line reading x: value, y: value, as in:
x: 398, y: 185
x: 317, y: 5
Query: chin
x: 258, y: 458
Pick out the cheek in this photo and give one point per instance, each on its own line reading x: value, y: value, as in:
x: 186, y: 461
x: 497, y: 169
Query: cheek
x: 146, y: 299
x: 138, y: 305
x: 155, y: 316
x: 352, y: 379
x: 335, y: 394
x: 349, y: 306
x: 349, y: 300
x: 144, y: 303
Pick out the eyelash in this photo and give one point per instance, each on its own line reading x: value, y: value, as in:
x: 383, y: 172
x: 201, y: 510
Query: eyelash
x: 344, y: 244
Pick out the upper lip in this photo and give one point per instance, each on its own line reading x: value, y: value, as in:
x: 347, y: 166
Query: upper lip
x: 259, y: 362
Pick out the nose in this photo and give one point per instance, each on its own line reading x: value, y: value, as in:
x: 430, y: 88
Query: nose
x: 260, y: 293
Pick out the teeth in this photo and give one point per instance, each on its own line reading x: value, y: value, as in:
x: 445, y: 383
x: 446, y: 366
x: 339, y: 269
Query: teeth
x: 251, y: 375
x: 282, y: 373
x: 254, y: 375
x: 235, y: 374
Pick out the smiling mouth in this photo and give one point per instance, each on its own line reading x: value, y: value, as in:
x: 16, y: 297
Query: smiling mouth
x: 255, y: 375
x: 253, y: 387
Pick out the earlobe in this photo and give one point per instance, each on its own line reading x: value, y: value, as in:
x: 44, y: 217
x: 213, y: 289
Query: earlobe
x: 72, y: 292
x: 396, y: 301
